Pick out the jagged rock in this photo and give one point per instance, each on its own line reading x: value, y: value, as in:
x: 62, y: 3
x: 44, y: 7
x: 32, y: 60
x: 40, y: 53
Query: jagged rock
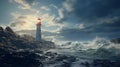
x: 13, y: 50
x: 1, y: 29
x: 2, y: 33
x: 10, y: 58
x: 86, y: 64
x: 8, y: 29
x: 9, y: 33
x: 66, y: 64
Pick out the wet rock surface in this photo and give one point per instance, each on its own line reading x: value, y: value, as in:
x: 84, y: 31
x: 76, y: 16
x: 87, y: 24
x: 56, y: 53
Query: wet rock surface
x: 12, y: 57
x: 106, y: 63
x: 19, y: 59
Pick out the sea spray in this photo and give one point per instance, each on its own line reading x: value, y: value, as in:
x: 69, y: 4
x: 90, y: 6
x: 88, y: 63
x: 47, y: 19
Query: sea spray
x: 97, y: 48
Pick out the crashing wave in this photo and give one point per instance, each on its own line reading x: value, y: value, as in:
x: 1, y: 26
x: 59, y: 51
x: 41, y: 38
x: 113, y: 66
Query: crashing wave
x: 99, y: 47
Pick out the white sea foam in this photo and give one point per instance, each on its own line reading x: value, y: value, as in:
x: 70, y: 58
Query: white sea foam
x: 98, y: 47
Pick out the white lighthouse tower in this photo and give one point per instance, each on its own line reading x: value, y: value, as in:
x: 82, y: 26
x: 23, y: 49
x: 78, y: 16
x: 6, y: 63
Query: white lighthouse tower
x: 38, y: 30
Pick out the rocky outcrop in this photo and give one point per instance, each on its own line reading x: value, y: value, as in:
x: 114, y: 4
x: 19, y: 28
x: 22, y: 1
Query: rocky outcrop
x: 1, y: 29
x: 7, y: 33
x: 17, y: 51
x: 8, y: 29
x: 9, y: 37
x: 12, y: 57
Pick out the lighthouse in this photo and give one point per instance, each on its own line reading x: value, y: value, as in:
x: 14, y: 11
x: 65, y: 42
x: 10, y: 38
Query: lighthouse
x: 38, y: 30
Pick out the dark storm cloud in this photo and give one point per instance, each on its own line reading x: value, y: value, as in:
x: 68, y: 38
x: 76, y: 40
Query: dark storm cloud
x: 101, y: 18
x: 87, y: 9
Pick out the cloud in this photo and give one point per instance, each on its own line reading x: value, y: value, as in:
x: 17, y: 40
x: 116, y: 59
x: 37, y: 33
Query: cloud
x: 88, y: 10
x: 81, y: 26
x: 28, y: 22
x: 25, y: 18
x: 60, y: 12
x: 72, y: 19
x: 25, y: 4
x: 69, y: 5
x: 45, y: 8
x: 95, y: 8
x: 89, y: 18
x: 52, y: 5
x: 28, y: 18
x: 22, y: 22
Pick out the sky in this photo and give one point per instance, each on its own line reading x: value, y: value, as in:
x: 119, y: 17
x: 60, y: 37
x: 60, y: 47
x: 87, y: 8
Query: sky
x: 64, y: 20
